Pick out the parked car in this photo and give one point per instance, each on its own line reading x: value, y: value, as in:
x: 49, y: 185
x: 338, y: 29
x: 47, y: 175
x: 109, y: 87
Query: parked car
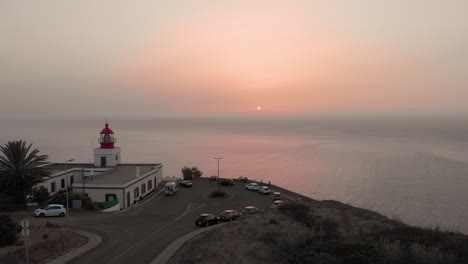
x: 206, y: 220
x: 243, y: 179
x: 51, y: 210
x: 213, y: 178
x: 250, y: 210
x: 264, y: 190
x: 170, y: 189
x: 276, y: 196
x: 252, y: 186
x: 229, y: 215
x: 226, y: 182
x: 276, y: 204
x: 185, y: 184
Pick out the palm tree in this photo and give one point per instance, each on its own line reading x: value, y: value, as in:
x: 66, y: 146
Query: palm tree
x: 20, y: 169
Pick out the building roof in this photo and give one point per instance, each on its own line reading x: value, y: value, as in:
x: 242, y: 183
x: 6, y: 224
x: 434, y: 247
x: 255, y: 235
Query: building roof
x: 122, y: 173
x: 61, y: 167
x: 107, y: 130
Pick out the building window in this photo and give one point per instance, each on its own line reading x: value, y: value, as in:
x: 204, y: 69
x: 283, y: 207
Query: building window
x: 62, y: 183
x: 136, y: 192
x: 116, y: 157
x: 52, y: 187
x: 150, y: 185
x: 143, y: 188
x: 71, y: 180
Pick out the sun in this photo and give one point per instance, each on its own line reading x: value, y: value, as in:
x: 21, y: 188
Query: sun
x: 259, y: 108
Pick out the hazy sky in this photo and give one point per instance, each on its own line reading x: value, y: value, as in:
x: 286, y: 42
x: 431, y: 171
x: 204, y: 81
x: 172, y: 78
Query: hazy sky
x: 139, y: 58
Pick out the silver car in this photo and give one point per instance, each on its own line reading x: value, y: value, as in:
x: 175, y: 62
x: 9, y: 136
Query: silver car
x: 51, y: 210
x: 264, y: 190
x: 277, y: 203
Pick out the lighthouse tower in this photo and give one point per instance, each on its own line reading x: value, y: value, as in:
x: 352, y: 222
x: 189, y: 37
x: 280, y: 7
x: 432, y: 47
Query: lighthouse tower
x: 107, y: 155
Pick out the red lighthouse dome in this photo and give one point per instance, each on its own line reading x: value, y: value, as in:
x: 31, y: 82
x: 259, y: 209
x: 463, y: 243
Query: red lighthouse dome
x: 107, y: 139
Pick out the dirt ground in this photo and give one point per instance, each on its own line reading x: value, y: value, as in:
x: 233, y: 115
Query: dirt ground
x: 44, y: 244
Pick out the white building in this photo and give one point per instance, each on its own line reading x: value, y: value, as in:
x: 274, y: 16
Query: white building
x: 106, y: 179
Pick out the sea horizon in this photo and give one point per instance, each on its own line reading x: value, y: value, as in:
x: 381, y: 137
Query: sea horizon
x: 411, y: 168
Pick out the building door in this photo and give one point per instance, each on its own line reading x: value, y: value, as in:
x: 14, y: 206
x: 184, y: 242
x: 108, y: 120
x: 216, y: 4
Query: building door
x: 128, y: 199
x: 103, y: 162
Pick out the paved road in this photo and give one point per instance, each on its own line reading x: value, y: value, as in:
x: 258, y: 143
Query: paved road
x: 139, y: 235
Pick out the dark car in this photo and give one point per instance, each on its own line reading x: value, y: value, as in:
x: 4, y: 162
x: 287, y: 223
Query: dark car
x: 243, y: 179
x: 185, y: 184
x: 206, y: 220
x: 250, y: 210
x: 229, y: 215
x: 226, y: 182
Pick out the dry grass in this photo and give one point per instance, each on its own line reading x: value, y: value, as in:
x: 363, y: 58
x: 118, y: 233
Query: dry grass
x: 45, y: 243
x: 323, y: 232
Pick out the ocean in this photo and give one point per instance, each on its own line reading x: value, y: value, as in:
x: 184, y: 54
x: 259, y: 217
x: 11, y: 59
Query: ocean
x: 414, y: 168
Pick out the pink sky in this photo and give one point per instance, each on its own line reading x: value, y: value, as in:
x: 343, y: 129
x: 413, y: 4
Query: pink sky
x: 232, y: 56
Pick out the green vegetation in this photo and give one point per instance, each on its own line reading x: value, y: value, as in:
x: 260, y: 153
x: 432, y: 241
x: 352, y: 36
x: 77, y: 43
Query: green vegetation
x: 190, y: 173
x: 323, y: 232
x: 86, y: 202
x: 326, y: 244
x: 20, y: 169
x: 41, y: 195
x: 8, y: 230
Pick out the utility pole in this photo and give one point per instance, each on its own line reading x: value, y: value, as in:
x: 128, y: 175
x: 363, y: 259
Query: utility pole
x: 218, y: 171
x: 66, y: 179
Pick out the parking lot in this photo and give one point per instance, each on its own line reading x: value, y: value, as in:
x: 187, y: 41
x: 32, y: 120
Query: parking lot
x: 139, y: 235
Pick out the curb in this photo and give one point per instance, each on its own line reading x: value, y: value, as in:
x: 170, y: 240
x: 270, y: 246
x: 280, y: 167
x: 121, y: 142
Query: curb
x: 94, y: 241
x: 170, y: 250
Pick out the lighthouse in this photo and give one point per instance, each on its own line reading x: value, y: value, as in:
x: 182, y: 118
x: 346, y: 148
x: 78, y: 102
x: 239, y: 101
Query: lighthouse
x: 107, y: 155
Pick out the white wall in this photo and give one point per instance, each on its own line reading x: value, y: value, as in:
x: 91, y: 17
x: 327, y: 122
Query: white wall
x: 155, y: 178
x: 57, y: 178
x: 110, y: 155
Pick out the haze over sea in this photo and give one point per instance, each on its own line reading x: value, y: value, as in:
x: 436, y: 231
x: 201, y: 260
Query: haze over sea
x: 413, y: 168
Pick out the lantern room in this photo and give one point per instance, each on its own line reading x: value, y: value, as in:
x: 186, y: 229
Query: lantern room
x: 107, y: 155
x: 107, y: 139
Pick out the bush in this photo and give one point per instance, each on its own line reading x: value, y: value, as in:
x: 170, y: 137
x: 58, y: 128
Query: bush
x: 41, y: 195
x: 304, y: 215
x: 190, y: 173
x: 61, y: 198
x: 51, y: 225
x: 218, y: 194
x: 8, y: 230
x: 273, y: 222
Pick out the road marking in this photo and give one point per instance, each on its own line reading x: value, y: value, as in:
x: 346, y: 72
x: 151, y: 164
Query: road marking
x: 154, y: 232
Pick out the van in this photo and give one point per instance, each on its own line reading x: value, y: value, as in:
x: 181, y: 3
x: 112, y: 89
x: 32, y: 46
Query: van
x: 170, y: 189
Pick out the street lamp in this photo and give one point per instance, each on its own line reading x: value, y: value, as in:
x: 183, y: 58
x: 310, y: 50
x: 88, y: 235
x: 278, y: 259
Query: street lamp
x: 66, y: 179
x: 218, y: 170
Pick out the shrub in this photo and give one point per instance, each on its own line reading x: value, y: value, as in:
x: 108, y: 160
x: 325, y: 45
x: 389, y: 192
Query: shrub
x: 61, y: 198
x: 8, y: 230
x: 269, y: 237
x: 273, y: 221
x: 51, y: 225
x: 190, y: 173
x: 41, y: 195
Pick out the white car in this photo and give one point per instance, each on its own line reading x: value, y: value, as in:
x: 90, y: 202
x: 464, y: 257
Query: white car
x: 264, y: 190
x: 51, y: 210
x: 277, y: 203
x: 252, y: 186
